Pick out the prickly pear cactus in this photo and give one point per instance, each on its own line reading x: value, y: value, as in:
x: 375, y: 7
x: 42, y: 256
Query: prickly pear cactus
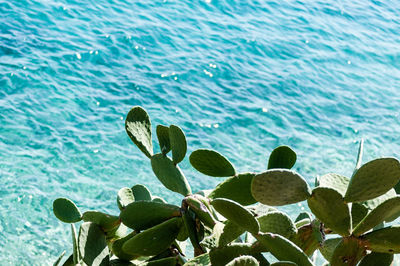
x: 353, y: 220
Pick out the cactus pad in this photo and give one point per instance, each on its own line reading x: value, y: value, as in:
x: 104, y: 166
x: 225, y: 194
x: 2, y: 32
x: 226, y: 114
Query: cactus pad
x: 163, y: 138
x: 386, y: 240
x: 373, y: 203
x: 125, y: 196
x: 335, y: 181
x: 277, y: 223
x: 282, y: 157
x: 390, y: 209
x: 141, y: 215
x: 236, y: 213
x: 243, y: 261
x: 93, y: 245
x: 141, y: 192
x: 138, y: 127
x: 328, y: 206
x: 116, y: 248
x: 105, y: 221
x: 373, y: 179
x: 169, y: 174
x: 223, y: 255
x: 178, y: 143
x: 349, y: 251
x: 374, y: 258
x: 236, y: 188
x: 211, y: 163
x: 66, y: 211
x: 158, y: 199
x: 283, y: 249
x: 278, y: 187
x: 283, y: 263
x: 154, y: 240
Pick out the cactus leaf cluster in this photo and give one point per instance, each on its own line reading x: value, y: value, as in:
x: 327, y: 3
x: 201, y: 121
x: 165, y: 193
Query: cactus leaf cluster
x: 282, y: 157
x: 211, y: 163
x: 240, y: 221
x: 278, y: 187
x: 236, y: 188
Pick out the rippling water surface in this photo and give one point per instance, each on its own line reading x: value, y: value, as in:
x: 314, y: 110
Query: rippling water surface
x: 240, y: 77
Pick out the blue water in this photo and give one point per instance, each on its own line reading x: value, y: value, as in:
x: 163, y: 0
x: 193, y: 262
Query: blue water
x: 240, y: 77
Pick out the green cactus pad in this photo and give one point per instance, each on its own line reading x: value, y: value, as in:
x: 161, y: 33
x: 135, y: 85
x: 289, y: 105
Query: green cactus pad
x: 138, y: 127
x: 141, y: 192
x: 282, y: 248
x: 158, y: 199
x: 278, y: 187
x: 66, y: 211
x: 125, y: 196
x: 388, y: 209
x: 374, y: 259
x: 178, y: 143
x: 154, y: 240
x: 282, y: 157
x: 116, y: 248
x: 236, y: 188
x: 223, y: 255
x: 243, y: 261
x: 277, y: 223
x: 373, y: 203
x: 75, y: 249
x: 236, y: 213
x: 211, y: 163
x: 328, y: 206
x: 335, y: 181
x: 202, y: 260
x: 141, y: 215
x: 328, y: 247
x: 211, y: 241
x: 230, y: 232
x: 183, y: 234
x: 105, y: 221
x: 93, y: 245
x: 386, y: 240
x: 373, y: 179
x: 349, y: 251
x: 69, y: 261
x: 303, y: 215
x: 163, y: 138
x: 170, y: 174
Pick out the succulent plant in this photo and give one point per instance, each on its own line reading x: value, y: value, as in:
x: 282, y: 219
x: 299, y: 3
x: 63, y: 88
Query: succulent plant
x: 236, y: 223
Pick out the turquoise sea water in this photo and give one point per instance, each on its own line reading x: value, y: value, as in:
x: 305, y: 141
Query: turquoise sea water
x: 240, y: 77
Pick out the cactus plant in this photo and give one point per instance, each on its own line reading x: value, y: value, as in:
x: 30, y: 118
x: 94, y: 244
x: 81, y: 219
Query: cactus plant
x: 235, y: 223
